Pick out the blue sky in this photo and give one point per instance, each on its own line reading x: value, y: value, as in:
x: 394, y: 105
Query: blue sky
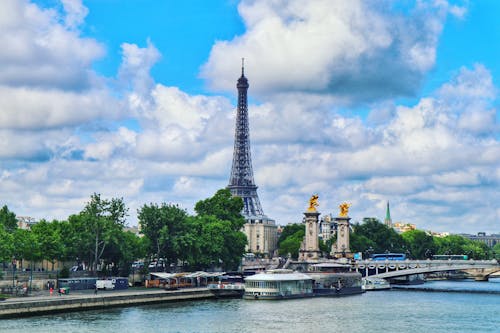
x: 358, y: 101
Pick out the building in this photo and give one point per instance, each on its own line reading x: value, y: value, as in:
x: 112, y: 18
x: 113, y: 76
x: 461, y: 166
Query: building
x: 327, y: 227
x: 401, y: 227
x: 261, y: 231
x: 490, y: 240
x: 261, y: 235
x: 438, y: 234
x: 25, y: 222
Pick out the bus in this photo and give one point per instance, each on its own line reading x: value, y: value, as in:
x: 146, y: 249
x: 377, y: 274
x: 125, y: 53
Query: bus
x: 388, y: 256
x: 450, y: 257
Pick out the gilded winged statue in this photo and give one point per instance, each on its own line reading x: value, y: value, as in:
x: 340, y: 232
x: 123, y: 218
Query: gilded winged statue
x: 313, y: 203
x: 344, y: 209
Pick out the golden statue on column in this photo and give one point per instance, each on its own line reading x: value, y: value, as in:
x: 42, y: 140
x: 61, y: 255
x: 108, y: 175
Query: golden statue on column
x: 344, y: 209
x: 313, y: 203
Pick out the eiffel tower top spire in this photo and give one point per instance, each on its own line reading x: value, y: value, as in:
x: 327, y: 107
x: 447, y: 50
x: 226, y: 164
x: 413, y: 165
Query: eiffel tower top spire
x: 241, y: 182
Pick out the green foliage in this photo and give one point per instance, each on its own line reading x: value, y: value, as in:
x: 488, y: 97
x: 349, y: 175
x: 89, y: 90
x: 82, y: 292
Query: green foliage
x: 217, y: 231
x: 378, y: 236
x: 289, y: 230
x: 455, y: 244
x: 361, y: 243
x: 224, y: 207
x: 97, y: 226
x: 212, y: 238
x: 8, y: 219
x: 6, y: 245
x: 291, y: 244
x: 496, y: 251
x: 48, y: 238
x: 26, y: 245
x: 162, y: 225
x: 418, y: 242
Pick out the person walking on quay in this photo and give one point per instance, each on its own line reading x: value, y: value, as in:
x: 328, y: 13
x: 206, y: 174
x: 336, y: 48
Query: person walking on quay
x: 95, y: 289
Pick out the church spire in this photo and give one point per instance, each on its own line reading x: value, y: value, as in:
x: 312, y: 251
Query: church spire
x: 388, y: 220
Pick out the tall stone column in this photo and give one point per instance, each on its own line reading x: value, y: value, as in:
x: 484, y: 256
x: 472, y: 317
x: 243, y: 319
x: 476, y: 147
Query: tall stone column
x: 310, y: 249
x: 342, y: 247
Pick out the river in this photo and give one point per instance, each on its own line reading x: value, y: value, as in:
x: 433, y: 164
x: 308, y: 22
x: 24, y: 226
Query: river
x: 472, y: 307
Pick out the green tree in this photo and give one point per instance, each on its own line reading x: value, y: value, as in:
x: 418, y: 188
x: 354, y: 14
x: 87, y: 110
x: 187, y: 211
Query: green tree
x: 49, y: 240
x: 97, y: 226
x: 224, y: 207
x: 361, y: 243
x: 496, y: 251
x: 418, y: 242
x: 219, y: 223
x: 381, y: 236
x: 26, y: 246
x: 8, y: 219
x: 453, y: 244
x: 6, y: 245
x: 162, y: 225
x: 289, y: 230
x: 123, y: 249
x: 291, y: 244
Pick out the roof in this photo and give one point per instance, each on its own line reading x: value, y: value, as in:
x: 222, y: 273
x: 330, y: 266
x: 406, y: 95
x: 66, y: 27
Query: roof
x: 278, y: 276
x: 330, y: 265
x: 163, y: 275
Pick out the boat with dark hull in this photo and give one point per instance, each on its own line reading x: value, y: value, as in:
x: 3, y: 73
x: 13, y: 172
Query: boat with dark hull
x: 228, y: 286
x: 334, y: 279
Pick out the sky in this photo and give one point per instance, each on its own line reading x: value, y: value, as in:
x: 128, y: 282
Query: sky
x: 365, y: 102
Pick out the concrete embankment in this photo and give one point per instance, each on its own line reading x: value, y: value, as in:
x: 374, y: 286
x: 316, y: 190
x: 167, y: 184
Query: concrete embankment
x: 31, y: 306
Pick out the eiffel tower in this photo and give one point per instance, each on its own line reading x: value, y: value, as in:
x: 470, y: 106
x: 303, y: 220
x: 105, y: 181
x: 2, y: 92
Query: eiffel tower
x: 241, y: 182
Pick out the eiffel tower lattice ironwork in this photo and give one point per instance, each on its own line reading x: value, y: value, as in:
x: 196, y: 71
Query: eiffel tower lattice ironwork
x: 241, y: 182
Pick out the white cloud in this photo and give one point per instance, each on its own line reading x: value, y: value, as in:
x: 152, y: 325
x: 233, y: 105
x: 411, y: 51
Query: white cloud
x: 33, y: 108
x: 181, y: 126
x: 39, y: 51
x: 75, y: 13
x: 355, y: 50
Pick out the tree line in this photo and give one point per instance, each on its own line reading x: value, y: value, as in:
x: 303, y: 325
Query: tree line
x: 372, y: 236
x: 97, y: 236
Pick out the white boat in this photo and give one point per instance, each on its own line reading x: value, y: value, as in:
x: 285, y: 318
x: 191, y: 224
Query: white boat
x: 371, y: 283
x: 278, y: 284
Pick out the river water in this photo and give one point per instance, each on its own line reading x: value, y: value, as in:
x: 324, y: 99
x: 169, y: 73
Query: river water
x: 471, y: 307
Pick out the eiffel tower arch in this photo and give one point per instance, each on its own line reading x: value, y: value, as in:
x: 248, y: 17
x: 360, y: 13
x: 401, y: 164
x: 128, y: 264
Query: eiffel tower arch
x: 261, y: 231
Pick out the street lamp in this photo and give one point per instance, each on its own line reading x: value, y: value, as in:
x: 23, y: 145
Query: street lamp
x: 13, y: 272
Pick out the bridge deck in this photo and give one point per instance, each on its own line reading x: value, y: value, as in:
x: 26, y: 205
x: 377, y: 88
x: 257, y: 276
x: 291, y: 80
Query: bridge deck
x: 397, y: 268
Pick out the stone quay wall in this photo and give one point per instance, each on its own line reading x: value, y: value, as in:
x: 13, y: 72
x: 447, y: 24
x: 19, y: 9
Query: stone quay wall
x: 31, y: 306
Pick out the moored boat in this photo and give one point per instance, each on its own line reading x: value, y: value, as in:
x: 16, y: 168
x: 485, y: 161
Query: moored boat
x: 278, y: 284
x: 334, y: 279
x: 228, y: 286
x: 235, y: 290
x: 371, y: 283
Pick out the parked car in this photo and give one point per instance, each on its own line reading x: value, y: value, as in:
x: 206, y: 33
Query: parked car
x: 137, y: 264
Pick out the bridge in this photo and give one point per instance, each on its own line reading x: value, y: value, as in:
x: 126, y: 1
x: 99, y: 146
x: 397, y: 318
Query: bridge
x: 403, y: 268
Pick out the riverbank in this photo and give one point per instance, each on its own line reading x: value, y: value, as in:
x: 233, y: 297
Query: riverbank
x: 44, y: 304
